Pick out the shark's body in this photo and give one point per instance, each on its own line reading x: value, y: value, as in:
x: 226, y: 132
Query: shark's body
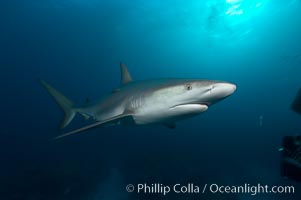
x: 161, y: 101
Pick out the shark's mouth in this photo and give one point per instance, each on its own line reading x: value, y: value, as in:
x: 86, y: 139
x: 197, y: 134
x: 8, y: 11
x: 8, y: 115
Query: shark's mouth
x: 192, y: 106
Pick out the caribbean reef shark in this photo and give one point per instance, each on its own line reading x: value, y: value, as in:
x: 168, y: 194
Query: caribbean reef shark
x: 159, y: 101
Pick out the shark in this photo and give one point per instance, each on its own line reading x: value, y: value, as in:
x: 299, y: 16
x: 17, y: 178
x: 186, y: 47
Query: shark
x: 162, y: 101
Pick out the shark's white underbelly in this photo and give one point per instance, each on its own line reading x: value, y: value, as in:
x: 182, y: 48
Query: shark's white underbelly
x: 161, y: 114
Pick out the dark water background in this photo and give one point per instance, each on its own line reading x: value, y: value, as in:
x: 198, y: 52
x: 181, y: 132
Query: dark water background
x: 77, y: 45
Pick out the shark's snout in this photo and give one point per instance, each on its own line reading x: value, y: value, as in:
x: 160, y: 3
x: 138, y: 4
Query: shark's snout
x: 230, y: 88
x: 223, y: 89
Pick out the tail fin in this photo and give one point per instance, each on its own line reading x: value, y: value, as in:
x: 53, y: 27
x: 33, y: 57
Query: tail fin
x: 65, y: 104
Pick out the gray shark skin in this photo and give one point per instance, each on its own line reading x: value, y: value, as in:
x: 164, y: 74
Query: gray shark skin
x: 160, y: 101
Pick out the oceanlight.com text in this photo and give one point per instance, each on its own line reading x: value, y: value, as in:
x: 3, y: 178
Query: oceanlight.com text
x: 191, y: 188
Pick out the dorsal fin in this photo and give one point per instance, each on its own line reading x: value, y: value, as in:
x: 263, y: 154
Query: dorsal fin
x: 125, y: 75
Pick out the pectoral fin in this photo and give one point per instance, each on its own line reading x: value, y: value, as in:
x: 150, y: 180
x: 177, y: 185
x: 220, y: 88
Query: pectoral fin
x: 170, y: 125
x: 96, y: 124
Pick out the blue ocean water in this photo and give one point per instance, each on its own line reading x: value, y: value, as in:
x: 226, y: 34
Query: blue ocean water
x: 77, y: 45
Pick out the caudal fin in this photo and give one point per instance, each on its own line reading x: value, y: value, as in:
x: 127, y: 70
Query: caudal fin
x: 65, y: 104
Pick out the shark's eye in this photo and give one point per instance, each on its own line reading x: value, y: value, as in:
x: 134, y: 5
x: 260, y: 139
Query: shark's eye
x: 188, y: 87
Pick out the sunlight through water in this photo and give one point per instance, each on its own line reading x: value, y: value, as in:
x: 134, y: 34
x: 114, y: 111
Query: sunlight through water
x: 234, y: 18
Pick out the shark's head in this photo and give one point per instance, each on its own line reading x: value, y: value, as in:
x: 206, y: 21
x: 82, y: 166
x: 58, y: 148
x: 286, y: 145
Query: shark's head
x: 175, y: 99
x: 200, y: 92
x: 210, y: 92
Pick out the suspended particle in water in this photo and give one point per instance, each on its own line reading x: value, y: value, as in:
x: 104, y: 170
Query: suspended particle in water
x: 260, y: 120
